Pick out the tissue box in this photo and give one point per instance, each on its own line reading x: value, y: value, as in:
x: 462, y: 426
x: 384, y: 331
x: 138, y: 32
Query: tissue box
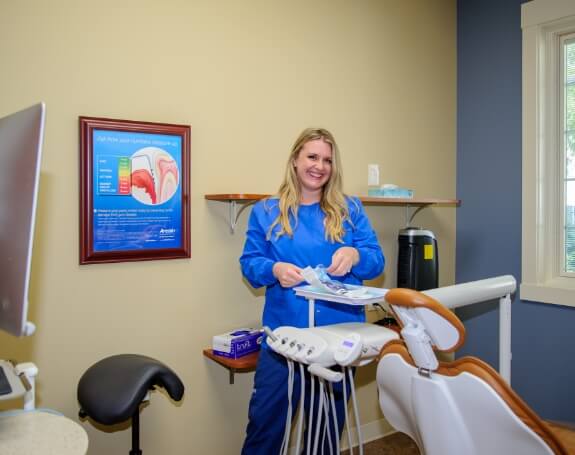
x: 390, y: 192
x: 238, y: 343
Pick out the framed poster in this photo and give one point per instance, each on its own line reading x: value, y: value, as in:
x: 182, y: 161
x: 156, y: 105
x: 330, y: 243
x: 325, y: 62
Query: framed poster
x: 134, y: 191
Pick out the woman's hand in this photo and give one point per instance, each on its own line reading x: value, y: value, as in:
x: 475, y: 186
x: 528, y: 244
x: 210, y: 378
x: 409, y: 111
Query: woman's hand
x: 287, y: 274
x: 343, y: 260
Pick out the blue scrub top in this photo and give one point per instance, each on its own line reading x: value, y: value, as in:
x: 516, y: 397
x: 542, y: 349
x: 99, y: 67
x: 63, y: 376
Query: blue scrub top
x: 307, y: 247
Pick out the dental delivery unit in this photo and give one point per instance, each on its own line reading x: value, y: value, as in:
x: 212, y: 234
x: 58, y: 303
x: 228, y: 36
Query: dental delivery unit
x: 460, y: 407
x: 320, y: 348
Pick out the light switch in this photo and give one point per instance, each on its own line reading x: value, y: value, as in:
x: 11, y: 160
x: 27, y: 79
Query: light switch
x: 373, y: 174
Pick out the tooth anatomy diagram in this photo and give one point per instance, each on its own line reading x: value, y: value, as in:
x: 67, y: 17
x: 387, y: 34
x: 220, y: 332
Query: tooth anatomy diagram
x: 154, y: 176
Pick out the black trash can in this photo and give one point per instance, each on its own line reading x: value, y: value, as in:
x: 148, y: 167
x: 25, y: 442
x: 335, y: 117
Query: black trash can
x: 417, y: 262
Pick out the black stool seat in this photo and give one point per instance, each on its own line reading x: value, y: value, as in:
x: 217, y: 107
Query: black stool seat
x: 111, y: 390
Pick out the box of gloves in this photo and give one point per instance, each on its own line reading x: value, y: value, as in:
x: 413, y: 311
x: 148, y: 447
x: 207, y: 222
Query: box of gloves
x: 238, y: 343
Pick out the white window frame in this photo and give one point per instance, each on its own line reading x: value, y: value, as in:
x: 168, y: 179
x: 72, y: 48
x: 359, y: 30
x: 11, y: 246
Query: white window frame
x: 543, y: 23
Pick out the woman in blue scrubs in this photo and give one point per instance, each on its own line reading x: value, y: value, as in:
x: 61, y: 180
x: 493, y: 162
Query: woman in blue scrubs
x: 309, y: 222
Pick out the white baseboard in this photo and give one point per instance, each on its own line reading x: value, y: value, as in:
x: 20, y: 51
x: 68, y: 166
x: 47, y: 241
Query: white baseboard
x: 369, y: 432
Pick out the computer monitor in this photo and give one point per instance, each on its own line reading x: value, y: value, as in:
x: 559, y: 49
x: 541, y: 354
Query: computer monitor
x: 21, y: 136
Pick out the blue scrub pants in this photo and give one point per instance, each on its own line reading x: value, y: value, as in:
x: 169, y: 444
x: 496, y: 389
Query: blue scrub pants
x: 269, y: 405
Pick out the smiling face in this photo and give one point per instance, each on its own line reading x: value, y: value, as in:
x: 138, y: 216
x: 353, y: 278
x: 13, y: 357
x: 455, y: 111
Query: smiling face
x: 313, y: 167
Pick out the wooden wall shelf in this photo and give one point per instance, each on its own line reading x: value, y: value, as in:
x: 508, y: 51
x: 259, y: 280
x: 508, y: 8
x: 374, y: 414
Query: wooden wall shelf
x: 247, y: 199
x: 238, y: 197
x: 241, y: 197
x: 242, y: 365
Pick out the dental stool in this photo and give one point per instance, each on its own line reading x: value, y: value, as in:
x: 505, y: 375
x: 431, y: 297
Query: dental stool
x: 111, y: 390
x: 452, y: 408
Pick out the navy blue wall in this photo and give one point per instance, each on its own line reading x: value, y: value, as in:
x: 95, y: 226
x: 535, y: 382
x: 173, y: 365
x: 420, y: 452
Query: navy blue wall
x: 489, y: 220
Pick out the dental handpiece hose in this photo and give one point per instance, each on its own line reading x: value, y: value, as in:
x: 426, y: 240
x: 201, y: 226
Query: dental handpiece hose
x: 319, y: 416
x: 355, y: 411
x: 346, y: 416
x: 326, y: 432
x: 334, y: 413
x: 301, y: 415
x: 310, y: 419
x: 269, y: 333
x: 331, y: 376
x: 287, y: 431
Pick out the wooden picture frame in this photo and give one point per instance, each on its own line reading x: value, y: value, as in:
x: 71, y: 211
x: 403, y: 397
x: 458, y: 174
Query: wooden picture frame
x: 134, y: 190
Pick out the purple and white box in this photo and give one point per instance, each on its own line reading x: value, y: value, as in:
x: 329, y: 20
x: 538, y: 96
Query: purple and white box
x: 238, y: 343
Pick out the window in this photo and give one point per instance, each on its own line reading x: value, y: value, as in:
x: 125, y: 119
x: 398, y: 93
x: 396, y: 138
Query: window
x: 567, y: 72
x: 548, y: 237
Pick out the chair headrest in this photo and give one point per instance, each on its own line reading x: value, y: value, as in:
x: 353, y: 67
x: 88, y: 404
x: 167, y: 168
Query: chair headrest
x: 411, y: 307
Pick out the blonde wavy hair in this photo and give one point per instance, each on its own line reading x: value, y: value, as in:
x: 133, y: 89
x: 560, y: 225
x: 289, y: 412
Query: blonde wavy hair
x: 332, y: 200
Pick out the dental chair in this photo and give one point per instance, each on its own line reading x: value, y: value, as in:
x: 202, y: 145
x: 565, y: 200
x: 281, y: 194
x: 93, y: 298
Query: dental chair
x: 112, y: 390
x: 452, y: 408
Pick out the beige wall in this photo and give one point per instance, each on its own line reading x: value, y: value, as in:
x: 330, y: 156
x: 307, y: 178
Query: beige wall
x: 248, y: 77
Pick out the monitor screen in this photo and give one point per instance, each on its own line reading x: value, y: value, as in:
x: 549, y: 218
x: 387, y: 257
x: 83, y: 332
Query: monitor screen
x: 21, y: 137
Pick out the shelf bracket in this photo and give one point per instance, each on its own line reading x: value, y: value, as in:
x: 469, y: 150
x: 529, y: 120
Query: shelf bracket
x: 234, y: 213
x: 408, y: 217
x: 233, y: 207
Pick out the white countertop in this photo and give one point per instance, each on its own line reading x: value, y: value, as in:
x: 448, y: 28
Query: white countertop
x: 40, y: 432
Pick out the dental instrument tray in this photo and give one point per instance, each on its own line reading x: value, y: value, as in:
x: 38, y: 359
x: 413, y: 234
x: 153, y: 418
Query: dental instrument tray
x: 369, y: 296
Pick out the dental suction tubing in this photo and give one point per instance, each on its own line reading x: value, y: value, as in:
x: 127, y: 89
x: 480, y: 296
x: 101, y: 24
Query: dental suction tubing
x: 311, y: 401
x: 326, y: 431
x: 348, y: 431
x: 335, y: 423
x: 301, y: 415
x: 356, y: 412
x: 323, y: 374
x: 285, y: 442
x: 319, y: 416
